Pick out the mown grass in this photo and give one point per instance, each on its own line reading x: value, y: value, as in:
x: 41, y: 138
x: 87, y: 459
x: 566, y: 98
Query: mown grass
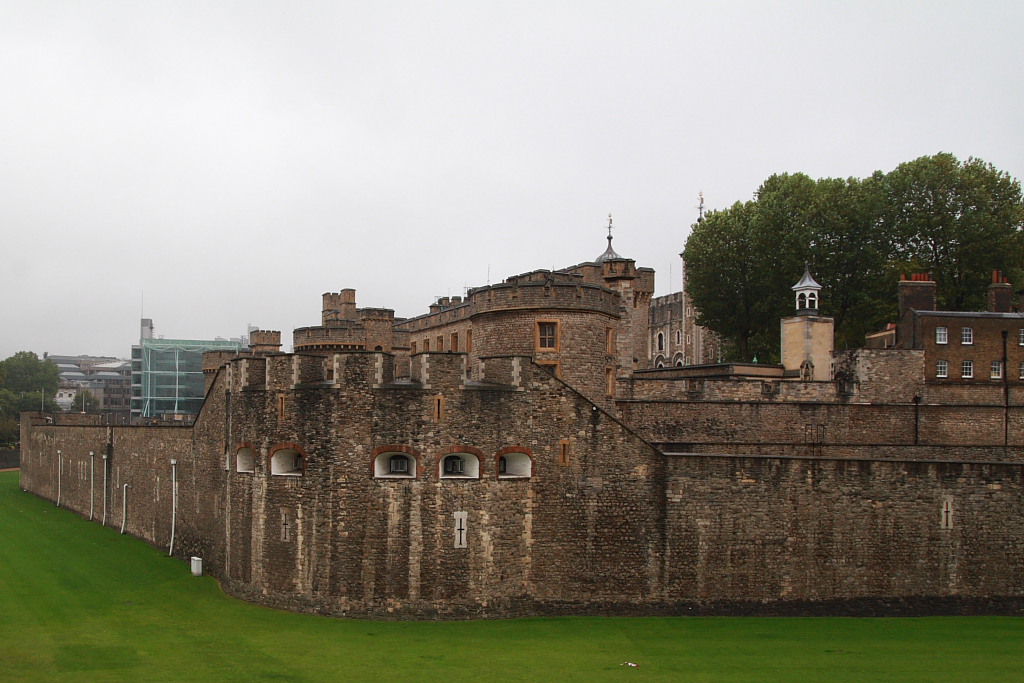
x: 79, y: 602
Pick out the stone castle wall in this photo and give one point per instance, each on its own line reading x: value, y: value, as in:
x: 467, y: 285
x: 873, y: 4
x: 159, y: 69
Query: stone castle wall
x: 604, y: 523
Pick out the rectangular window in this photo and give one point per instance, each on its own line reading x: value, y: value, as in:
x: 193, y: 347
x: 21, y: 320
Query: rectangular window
x: 563, y: 452
x: 440, y: 343
x: 941, y: 335
x: 426, y: 345
x: 941, y: 369
x: 413, y: 349
x: 1020, y: 336
x: 967, y: 335
x: 997, y: 369
x: 547, y: 335
x: 455, y: 341
x: 469, y: 341
x: 609, y: 379
x: 967, y: 369
x: 1021, y: 376
x: 609, y: 340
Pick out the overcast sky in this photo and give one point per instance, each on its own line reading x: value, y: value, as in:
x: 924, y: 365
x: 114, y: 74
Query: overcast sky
x: 215, y: 164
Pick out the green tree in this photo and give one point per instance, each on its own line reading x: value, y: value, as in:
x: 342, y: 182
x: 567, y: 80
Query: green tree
x: 958, y: 221
x: 24, y: 372
x: 26, y: 383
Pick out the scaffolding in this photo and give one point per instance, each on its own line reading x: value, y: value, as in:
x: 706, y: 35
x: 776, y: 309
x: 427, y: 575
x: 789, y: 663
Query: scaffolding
x: 167, y: 376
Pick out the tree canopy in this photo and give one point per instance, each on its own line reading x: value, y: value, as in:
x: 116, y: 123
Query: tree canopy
x: 26, y: 382
x: 958, y: 221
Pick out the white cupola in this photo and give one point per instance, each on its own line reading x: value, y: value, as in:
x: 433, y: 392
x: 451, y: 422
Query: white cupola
x: 807, y: 294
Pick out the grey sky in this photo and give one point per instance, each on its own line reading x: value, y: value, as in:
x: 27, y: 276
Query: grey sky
x: 233, y: 161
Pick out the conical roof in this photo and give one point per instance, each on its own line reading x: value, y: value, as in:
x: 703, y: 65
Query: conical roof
x: 806, y: 282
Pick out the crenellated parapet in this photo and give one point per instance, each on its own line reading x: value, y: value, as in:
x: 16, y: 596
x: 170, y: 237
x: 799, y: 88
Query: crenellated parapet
x: 543, y: 289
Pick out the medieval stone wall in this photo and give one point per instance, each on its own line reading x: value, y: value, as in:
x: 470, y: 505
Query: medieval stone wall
x: 726, y: 425
x: 748, y: 529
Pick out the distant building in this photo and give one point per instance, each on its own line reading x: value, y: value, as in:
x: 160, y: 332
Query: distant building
x: 107, y: 378
x: 167, y: 374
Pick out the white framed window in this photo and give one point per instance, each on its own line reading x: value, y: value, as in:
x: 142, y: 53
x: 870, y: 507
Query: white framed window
x: 966, y: 335
x: 1021, y: 376
x: 391, y: 465
x: 460, y: 466
x: 941, y: 369
x: 1020, y: 337
x: 941, y: 335
x: 967, y: 369
x: 997, y: 369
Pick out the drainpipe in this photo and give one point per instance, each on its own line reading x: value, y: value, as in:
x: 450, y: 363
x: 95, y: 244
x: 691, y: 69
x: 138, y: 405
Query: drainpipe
x: 124, y: 507
x: 92, y: 482
x: 174, y: 502
x: 1006, y: 393
x: 60, y: 471
x: 104, y: 489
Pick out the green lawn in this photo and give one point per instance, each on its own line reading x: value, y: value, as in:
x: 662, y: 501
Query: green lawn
x: 79, y: 602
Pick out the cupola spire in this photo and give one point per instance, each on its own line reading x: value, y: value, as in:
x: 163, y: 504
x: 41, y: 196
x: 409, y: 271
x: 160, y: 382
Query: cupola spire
x: 807, y: 293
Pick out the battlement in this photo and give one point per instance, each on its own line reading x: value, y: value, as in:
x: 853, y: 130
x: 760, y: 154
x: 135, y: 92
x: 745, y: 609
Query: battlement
x: 544, y: 290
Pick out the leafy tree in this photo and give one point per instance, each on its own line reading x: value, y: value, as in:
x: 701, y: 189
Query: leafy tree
x: 26, y: 383
x: 958, y: 221
x: 24, y: 372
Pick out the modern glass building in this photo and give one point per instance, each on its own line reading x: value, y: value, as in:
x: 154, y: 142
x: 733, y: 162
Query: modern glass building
x: 167, y: 374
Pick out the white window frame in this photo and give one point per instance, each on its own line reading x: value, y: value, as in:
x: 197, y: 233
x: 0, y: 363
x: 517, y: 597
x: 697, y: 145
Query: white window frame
x: 1022, y: 369
x: 382, y: 466
x: 470, y: 466
x: 941, y: 335
x: 941, y: 369
x: 966, y: 336
x: 1020, y: 337
x: 967, y: 369
x: 996, y: 369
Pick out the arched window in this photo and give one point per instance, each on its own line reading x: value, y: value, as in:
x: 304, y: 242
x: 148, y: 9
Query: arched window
x: 661, y: 341
x: 245, y: 460
x: 460, y: 466
x: 287, y: 462
x: 394, y: 465
x: 515, y: 466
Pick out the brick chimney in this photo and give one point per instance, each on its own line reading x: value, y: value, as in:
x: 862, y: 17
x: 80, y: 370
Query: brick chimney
x: 1000, y: 294
x: 918, y: 293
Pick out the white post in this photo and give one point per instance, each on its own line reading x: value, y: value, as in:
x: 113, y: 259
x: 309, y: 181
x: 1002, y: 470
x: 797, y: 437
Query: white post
x: 60, y: 471
x: 92, y: 482
x: 124, y: 508
x: 174, y: 502
x: 104, y: 489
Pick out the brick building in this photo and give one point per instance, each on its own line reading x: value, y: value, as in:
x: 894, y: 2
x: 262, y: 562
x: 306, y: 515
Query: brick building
x: 513, y: 453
